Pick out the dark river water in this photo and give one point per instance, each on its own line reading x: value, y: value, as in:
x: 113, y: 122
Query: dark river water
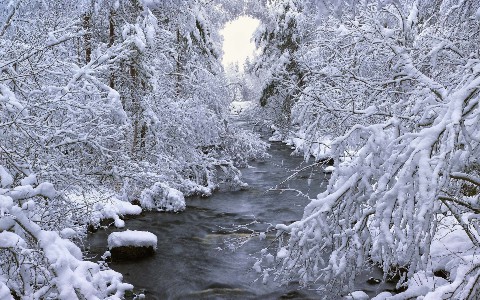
x: 197, y: 255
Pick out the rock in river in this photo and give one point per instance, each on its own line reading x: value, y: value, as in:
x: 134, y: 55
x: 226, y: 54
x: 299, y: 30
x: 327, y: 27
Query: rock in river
x: 131, y: 245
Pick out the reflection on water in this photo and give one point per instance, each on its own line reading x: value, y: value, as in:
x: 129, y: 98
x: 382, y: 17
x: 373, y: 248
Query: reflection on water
x: 197, y: 256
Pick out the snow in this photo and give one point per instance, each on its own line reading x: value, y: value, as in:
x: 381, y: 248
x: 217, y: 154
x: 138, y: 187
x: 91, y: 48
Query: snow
x: 12, y: 104
x: 5, y: 203
x: 342, y: 30
x: 369, y: 111
x: 61, y: 260
x: 65, y: 127
x: 358, y: 295
x: 388, y: 32
x: 276, y: 137
x: 68, y: 233
x: 5, y: 178
x: 329, y: 169
x: 421, y: 283
x: 150, y: 3
x: 382, y: 296
x: 330, y: 71
x: 149, y: 28
x: 45, y: 189
x: 413, y: 16
x: 10, y: 240
x: 139, y: 38
x: 282, y: 253
x: 116, y: 208
x: 163, y: 198
x: 29, y: 180
x: 449, y: 242
x: 257, y: 267
x: 5, y: 291
x: 27, y: 191
x: 98, y: 206
x: 317, y: 148
x: 411, y: 293
x: 132, y: 238
x: 237, y: 107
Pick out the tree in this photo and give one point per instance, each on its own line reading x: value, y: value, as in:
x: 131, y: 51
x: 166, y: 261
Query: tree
x: 279, y: 39
x: 401, y: 80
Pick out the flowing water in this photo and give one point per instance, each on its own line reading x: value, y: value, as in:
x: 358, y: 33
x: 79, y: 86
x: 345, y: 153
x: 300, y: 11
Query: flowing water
x: 198, y: 255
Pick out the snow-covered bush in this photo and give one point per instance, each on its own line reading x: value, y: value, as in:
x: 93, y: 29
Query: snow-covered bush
x: 241, y: 146
x: 38, y: 263
x: 94, y: 207
x: 163, y: 198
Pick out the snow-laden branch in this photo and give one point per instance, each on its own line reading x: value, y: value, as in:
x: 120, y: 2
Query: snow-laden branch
x: 466, y: 177
x: 64, y: 275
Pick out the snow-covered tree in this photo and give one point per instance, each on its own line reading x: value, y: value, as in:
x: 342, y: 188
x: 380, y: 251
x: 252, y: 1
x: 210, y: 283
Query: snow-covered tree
x: 279, y: 38
x: 396, y: 84
x: 126, y: 99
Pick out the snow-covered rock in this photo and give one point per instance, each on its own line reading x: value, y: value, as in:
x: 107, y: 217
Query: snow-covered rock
x: 358, y: 295
x: 382, y: 296
x: 132, y: 238
x: 68, y: 233
x: 131, y: 245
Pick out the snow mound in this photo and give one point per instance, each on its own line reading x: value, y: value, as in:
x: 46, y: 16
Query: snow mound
x: 163, y: 198
x: 132, y: 238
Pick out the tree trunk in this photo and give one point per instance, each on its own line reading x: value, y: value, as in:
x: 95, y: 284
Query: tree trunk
x: 111, y: 40
x: 88, y: 36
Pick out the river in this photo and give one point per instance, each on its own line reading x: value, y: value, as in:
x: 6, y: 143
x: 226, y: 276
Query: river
x: 197, y: 257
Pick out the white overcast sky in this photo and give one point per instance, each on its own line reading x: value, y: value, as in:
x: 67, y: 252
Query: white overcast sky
x: 237, y: 44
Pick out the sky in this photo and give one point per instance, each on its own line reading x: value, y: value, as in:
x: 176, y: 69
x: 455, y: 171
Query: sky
x: 237, y: 44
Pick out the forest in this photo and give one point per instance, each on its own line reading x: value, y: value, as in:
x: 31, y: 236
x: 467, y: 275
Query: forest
x: 111, y: 108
